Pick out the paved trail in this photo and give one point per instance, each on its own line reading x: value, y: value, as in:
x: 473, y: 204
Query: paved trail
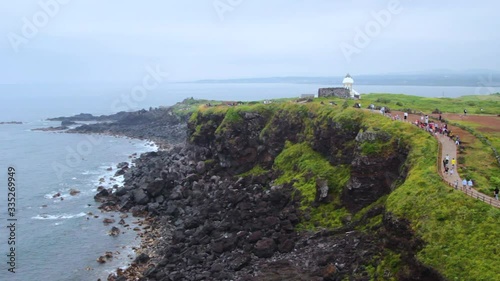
x: 448, y: 147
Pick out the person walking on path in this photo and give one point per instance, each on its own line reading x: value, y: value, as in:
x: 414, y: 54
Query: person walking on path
x: 453, y: 178
x: 495, y: 192
x: 453, y: 162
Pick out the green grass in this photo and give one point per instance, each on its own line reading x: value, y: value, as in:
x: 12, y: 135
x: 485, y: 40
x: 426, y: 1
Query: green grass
x: 385, y: 266
x: 460, y: 233
x: 376, y: 147
x: 302, y: 166
x: 489, y: 103
x: 480, y: 153
x: 480, y: 162
x: 257, y: 170
x: 458, y: 230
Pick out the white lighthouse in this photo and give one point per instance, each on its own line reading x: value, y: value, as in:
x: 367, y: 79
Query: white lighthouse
x: 348, y: 81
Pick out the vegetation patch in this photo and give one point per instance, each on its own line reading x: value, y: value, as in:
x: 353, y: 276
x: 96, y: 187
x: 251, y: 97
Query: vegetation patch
x: 385, y: 267
x: 475, y: 104
x: 257, y: 170
x: 302, y: 166
x: 459, y: 232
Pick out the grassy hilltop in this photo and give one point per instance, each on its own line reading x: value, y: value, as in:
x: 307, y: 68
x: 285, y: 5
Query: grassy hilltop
x: 460, y: 233
x: 476, y: 158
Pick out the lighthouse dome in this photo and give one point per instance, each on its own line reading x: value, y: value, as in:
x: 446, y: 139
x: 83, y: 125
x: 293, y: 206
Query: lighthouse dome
x: 348, y: 79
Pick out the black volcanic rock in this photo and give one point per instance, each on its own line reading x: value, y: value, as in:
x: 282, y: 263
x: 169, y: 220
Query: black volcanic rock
x: 160, y: 124
x: 217, y: 224
x: 265, y: 248
x: 66, y: 123
x: 140, y: 197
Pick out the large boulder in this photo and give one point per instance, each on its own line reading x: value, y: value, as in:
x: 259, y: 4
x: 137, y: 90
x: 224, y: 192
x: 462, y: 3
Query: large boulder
x: 321, y: 190
x: 115, y: 231
x: 140, y: 197
x: 155, y: 188
x: 265, y: 248
x: 103, y: 194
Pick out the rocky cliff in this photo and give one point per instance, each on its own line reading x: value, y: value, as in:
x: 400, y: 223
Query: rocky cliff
x: 240, y: 140
x: 274, y: 192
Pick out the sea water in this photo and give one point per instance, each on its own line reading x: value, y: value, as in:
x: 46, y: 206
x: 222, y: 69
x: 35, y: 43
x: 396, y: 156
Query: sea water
x: 58, y: 237
x: 54, y: 239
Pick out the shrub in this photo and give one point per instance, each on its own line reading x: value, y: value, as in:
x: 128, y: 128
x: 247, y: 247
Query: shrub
x: 399, y: 103
x: 383, y: 100
x: 461, y: 160
x: 495, y: 181
x: 345, y: 105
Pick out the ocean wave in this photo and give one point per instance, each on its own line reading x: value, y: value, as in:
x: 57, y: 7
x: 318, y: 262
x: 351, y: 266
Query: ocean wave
x: 90, y: 172
x: 58, y: 217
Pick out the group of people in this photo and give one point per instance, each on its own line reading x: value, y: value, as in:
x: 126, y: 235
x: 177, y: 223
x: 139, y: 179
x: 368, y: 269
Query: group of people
x: 442, y: 128
x: 435, y: 128
x: 449, y: 168
x: 465, y: 184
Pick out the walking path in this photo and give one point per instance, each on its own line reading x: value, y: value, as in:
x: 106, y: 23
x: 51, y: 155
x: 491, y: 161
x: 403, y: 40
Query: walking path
x: 448, y: 146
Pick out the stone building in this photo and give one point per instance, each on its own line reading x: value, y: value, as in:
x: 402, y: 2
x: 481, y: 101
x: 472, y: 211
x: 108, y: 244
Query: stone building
x: 342, y: 92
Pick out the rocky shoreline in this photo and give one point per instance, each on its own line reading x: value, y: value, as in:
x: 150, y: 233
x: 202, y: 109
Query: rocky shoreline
x: 205, y: 220
x: 159, y: 125
x: 206, y: 226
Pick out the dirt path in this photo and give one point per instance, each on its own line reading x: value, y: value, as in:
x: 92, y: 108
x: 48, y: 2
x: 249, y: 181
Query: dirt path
x: 448, y: 147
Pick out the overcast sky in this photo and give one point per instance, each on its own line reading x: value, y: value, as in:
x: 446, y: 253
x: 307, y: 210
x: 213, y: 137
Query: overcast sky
x: 114, y: 40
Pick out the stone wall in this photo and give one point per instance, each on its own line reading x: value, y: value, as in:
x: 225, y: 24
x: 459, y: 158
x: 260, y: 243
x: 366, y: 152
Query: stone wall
x: 336, y: 92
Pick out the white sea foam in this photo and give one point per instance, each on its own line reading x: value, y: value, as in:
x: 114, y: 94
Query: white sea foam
x: 58, y: 217
x: 49, y: 195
